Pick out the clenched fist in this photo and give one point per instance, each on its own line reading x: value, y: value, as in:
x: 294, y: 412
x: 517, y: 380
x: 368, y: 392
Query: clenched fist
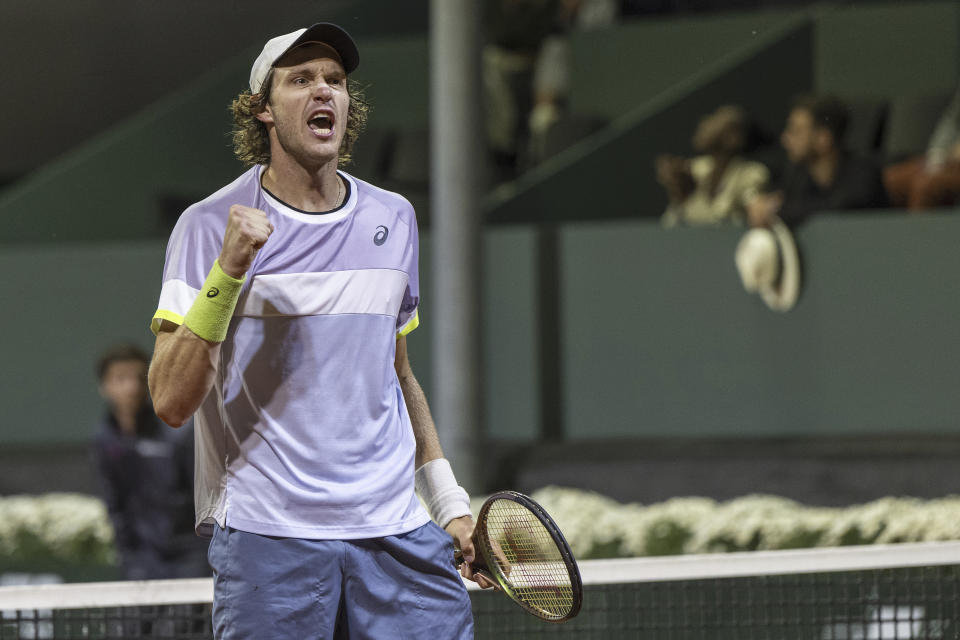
x: 247, y: 231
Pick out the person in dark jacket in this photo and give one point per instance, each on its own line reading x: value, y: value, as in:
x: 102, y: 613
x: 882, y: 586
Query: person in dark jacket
x: 822, y: 175
x: 146, y: 475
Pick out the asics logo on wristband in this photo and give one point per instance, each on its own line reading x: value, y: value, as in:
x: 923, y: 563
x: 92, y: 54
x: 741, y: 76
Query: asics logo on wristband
x: 213, y: 292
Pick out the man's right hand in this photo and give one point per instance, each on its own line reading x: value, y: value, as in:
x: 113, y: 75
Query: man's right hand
x: 673, y: 172
x: 247, y: 231
x: 763, y: 209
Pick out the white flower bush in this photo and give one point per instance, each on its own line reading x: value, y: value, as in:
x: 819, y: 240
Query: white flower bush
x: 759, y: 522
x: 57, y: 526
x: 588, y: 520
x: 63, y: 527
x: 598, y: 527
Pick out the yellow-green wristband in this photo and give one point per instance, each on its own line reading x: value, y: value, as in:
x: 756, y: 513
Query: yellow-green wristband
x: 209, y: 317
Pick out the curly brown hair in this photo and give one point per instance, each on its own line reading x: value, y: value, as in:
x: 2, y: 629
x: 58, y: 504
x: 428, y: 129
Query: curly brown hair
x: 251, y: 144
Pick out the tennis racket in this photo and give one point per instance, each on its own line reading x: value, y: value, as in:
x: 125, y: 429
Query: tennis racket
x: 520, y: 548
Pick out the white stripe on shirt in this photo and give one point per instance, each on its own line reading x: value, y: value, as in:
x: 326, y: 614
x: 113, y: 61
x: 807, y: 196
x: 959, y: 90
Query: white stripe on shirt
x: 361, y: 291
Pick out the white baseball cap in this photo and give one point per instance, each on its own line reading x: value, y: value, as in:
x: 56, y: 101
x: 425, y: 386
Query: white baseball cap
x: 323, y: 32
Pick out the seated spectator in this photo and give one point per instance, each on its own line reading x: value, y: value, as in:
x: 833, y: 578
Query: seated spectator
x: 146, y: 475
x: 551, y: 75
x: 822, y: 176
x: 515, y: 31
x: 931, y: 179
x: 713, y: 188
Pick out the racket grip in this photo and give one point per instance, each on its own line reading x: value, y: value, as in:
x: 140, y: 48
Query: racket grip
x: 458, y: 552
x: 479, y: 568
x: 478, y: 565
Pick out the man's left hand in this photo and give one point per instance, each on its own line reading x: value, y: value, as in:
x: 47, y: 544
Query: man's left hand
x: 461, y: 529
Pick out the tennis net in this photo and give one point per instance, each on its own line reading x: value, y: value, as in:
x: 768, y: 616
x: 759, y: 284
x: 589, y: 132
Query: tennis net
x: 846, y: 593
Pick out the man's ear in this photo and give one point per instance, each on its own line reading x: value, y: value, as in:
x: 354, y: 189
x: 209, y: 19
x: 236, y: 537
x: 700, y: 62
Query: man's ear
x: 265, y: 116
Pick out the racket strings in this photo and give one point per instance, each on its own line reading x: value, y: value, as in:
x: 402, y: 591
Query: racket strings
x: 527, y: 559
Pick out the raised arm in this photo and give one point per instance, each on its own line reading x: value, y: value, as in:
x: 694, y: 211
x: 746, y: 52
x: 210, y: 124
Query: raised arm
x: 185, y: 357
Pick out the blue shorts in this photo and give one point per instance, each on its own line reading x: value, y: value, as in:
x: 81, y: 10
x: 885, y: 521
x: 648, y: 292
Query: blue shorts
x: 403, y: 586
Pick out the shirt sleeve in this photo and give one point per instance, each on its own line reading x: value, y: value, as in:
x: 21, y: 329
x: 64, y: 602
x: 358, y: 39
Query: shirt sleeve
x: 408, y: 318
x: 194, y: 244
x: 755, y: 178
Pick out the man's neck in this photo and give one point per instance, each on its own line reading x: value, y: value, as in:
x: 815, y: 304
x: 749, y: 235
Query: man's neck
x: 823, y: 170
x: 126, y: 420
x: 308, y: 189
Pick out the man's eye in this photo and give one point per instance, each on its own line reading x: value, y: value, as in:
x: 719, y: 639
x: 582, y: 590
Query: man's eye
x: 300, y: 81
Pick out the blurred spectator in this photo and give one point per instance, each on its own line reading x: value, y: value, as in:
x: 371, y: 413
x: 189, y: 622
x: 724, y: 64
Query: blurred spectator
x: 515, y: 31
x: 822, y: 176
x: 713, y: 188
x: 932, y: 179
x: 551, y: 76
x: 146, y: 474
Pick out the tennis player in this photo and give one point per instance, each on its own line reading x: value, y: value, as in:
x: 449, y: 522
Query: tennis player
x: 286, y: 301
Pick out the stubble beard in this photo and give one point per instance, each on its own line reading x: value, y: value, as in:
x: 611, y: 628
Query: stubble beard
x: 295, y: 143
x: 294, y: 147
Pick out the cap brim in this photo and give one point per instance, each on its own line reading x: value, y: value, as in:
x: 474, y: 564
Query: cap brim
x: 784, y: 296
x: 332, y: 35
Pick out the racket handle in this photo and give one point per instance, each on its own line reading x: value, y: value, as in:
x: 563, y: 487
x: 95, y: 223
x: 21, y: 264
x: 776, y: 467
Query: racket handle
x: 458, y: 553
x: 478, y: 565
x: 479, y: 568
x: 458, y: 558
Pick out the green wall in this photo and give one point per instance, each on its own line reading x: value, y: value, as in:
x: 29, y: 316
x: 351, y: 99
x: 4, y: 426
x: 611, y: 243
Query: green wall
x: 616, y: 69
x: 661, y: 340
x: 880, y: 49
x: 394, y: 75
x: 658, y: 337
x: 888, y: 49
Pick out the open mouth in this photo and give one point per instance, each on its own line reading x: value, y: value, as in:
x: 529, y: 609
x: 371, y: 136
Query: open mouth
x: 321, y: 124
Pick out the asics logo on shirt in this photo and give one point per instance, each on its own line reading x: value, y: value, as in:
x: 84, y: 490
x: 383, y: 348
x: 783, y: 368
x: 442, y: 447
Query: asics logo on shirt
x: 381, y: 235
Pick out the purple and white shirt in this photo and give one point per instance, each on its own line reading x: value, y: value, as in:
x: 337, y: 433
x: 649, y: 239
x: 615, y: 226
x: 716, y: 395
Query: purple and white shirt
x: 305, y: 432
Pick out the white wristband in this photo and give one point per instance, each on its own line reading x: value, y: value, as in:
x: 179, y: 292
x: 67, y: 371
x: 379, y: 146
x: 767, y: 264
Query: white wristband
x: 438, y: 488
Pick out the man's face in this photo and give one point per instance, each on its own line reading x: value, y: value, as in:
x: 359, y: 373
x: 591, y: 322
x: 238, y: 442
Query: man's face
x: 799, y: 137
x: 308, y: 106
x: 124, y: 385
